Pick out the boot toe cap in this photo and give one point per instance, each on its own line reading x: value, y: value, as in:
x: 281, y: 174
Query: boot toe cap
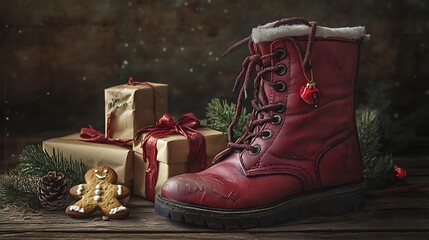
x: 206, y: 191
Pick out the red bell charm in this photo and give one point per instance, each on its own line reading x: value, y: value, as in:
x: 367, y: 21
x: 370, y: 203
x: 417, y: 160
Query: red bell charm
x: 401, y: 173
x: 310, y: 93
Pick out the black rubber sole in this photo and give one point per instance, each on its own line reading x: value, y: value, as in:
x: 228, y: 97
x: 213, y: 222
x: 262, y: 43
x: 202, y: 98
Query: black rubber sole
x: 332, y: 202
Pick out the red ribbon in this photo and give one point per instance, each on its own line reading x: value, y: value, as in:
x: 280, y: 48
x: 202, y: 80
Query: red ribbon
x: 185, y: 126
x: 89, y: 134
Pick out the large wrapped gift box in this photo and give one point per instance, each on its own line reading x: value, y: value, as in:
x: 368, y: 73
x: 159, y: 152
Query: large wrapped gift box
x: 172, y: 157
x: 130, y: 107
x: 95, y: 154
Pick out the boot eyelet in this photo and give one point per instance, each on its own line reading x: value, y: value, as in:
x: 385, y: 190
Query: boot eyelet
x: 280, y: 54
x: 255, y: 149
x: 277, y: 120
x: 267, y: 134
x: 280, y: 86
x: 281, y: 69
x: 280, y: 107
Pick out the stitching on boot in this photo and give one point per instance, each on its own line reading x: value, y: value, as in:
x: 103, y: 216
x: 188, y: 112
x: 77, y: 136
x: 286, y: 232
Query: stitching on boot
x: 320, y: 157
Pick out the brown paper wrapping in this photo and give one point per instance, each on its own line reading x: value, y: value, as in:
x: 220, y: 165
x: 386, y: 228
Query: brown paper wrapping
x: 131, y: 108
x: 95, y: 154
x: 174, y: 149
x: 172, y: 157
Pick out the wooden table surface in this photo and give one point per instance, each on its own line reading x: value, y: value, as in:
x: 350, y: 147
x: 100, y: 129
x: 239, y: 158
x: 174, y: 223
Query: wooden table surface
x: 394, y: 216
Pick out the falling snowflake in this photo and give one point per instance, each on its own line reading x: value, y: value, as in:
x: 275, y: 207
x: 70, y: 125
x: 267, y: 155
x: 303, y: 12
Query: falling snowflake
x: 210, y: 53
x: 48, y: 93
x: 182, y: 49
x: 126, y: 44
x: 125, y: 62
x: 164, y: 49
x: 191, y: 70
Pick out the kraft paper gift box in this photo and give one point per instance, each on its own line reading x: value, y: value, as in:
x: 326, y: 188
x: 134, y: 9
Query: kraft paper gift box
x: 172, y: 157
x: 94, y: 154
x: 130, y: 107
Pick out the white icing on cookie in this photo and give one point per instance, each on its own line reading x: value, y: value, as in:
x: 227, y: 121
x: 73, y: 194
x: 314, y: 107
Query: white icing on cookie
x: 98, y: 187
x: 100, y: 176
x: 97, y: 198
x: 97, y: 192
x: 79, y: 189
x: 117, y: 209
x: 76, y: 209
x: 119, y: 189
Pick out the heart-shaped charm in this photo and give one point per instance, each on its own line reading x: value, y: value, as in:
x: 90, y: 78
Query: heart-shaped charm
x: 310, y: 94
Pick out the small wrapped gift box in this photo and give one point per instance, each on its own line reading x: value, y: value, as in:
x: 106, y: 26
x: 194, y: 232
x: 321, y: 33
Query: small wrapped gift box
x: 130, y: 107
x: 172, y: 155
x: 95, y: 154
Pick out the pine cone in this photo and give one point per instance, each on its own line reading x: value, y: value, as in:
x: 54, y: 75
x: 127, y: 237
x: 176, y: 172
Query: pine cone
x: 53, y: 191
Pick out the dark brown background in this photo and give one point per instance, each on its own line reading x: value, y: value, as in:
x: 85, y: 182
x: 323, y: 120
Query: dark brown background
x: 58, y: 56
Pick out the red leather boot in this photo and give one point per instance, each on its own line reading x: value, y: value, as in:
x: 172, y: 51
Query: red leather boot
x: 300, y: 153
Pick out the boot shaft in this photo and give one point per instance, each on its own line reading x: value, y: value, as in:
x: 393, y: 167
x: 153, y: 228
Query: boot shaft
x: 317, y: 144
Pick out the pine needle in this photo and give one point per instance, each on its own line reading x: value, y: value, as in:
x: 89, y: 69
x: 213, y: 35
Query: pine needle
x: 377, y: 165
x: 19, y: 191
x: 220, y: 114
x: 19, y: 187
x: 34, y: 161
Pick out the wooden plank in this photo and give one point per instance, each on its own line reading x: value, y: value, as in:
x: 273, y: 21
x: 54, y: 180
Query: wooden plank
x: 225, y: 235
x: 380, y: 214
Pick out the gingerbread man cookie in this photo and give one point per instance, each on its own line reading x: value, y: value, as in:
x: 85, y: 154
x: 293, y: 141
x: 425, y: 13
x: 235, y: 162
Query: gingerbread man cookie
x: 99, y: 192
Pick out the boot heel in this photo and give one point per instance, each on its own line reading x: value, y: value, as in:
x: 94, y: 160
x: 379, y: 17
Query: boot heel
x: 342, y: 204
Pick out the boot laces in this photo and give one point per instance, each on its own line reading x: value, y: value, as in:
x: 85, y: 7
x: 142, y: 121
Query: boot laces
x: 262, y: 110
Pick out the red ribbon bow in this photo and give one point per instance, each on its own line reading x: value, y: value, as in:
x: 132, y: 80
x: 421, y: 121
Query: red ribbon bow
x: 91, y: 135
x: 185, y: 126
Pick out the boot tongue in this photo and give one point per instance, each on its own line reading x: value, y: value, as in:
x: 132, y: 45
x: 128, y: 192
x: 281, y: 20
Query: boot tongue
x: 264, y: 49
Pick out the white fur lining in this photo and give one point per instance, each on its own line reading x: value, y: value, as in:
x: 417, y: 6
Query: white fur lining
x: 268, y: 32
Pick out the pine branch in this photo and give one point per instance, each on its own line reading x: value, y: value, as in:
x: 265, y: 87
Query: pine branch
x: 220, y: 114
x: 19, y: 191
x: 376, y: 164
x: 34, y: 161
